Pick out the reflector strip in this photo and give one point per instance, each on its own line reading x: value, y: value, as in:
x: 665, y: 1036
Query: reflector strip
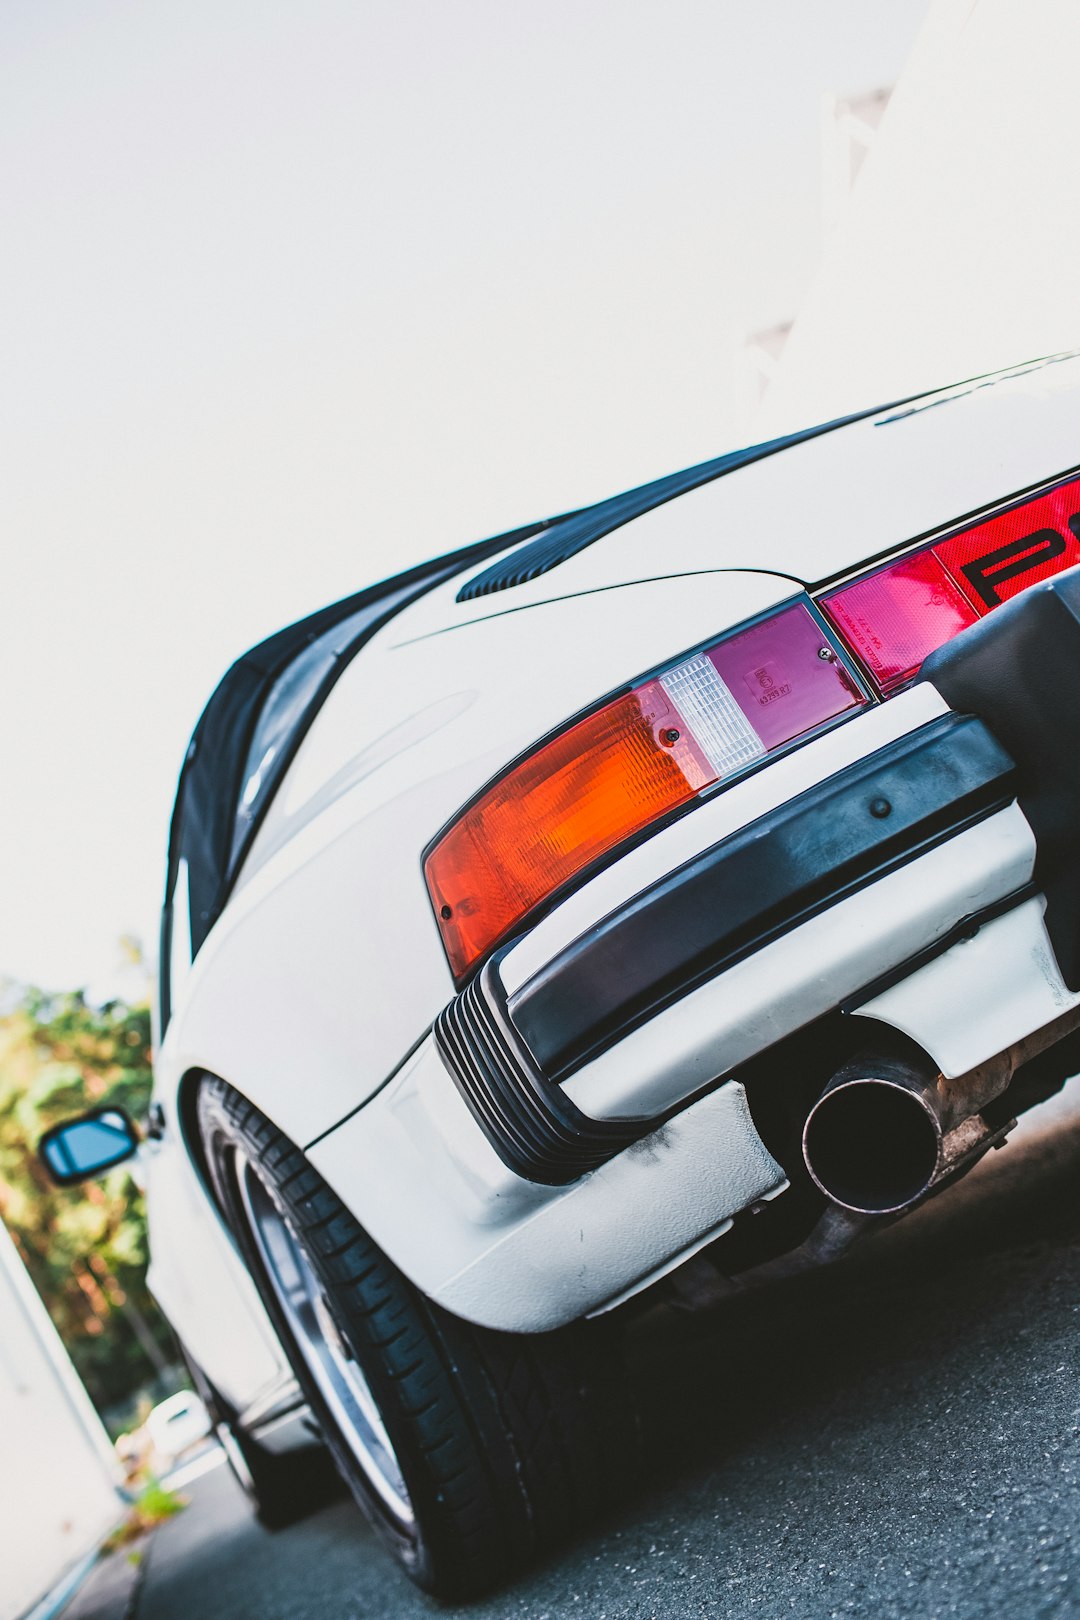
x: 1008, y: 553
x: 721, y: 730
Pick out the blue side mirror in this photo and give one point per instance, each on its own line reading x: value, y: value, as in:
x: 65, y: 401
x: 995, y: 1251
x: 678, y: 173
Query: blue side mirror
x: 87, y: 1145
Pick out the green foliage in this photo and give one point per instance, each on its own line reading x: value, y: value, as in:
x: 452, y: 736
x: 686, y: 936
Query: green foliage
x: 85, y: 1247
x: 152, y: 1507
x: 157, y: 1502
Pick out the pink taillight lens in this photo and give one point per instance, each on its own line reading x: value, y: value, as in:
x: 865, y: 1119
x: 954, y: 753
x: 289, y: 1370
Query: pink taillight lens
x: 897, y: 617
x: 784, y: 676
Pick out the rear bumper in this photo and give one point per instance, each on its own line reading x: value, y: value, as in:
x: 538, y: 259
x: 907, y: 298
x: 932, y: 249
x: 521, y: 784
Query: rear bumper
x: 509, y: 1056
x: 512, y: 1254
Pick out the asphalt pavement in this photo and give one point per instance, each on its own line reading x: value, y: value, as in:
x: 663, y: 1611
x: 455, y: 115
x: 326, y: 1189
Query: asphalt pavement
x: 898, y: 1436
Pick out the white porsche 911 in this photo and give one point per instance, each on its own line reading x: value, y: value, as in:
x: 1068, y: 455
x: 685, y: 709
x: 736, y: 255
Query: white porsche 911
x: 650, y: 900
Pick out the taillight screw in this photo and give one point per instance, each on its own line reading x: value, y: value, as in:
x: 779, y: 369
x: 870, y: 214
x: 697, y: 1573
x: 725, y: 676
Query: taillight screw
x: 826, y: 653
x: 669, y: 738
x: 446, y: 912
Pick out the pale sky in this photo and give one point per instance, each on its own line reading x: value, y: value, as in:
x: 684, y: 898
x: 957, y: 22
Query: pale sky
x: 956, y: 254
x: 294, y: 295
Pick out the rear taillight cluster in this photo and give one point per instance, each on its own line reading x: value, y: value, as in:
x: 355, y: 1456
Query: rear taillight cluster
x: 641, y: 756
x: 627, y: 764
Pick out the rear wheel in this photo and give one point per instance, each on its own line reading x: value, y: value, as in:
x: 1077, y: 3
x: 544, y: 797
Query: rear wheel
x: 469, y: 1450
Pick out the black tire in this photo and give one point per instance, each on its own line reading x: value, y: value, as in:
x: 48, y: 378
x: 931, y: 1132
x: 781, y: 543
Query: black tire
x: 282, y: 1487
x: 504, y: 1443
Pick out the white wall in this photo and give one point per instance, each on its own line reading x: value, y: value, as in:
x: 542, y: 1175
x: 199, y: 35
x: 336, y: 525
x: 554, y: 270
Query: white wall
x: 959, y: 252
x: 57, y: 1468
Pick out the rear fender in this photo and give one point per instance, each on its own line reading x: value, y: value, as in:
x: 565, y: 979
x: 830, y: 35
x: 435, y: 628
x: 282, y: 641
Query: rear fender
x: 326, y: 967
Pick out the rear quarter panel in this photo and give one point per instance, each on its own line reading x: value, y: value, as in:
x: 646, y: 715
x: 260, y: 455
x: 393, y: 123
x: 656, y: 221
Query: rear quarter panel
x: 326, y: 966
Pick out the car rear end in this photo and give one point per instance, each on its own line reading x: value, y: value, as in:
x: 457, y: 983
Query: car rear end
x: 773, y: 939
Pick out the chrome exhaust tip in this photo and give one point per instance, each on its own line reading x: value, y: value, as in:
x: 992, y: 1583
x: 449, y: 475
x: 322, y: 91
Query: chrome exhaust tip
x: 889, y: 1124
x: 873, y: 1143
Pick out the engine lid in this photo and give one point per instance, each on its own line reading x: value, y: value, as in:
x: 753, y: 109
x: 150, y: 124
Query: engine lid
x: 819, y: 508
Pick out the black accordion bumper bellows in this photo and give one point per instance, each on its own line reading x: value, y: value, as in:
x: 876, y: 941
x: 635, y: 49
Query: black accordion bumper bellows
x: 529, y: 1120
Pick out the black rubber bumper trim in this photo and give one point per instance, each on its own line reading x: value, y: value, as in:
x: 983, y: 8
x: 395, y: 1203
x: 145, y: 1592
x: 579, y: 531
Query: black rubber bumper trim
x: 530, y: 1122
x: 762, y: 881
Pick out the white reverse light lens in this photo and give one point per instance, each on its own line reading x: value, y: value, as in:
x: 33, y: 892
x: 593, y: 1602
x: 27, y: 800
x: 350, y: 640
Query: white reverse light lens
x: 720, y: 728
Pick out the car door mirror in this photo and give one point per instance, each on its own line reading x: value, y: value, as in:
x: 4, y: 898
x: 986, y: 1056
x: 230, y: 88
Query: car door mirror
x: 88, y: 1144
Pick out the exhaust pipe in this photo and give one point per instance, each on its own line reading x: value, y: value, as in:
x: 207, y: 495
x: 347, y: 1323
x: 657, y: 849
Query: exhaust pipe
x: 889, y: 1124
x: 873, y: 1140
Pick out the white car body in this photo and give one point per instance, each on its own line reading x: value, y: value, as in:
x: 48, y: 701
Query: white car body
x: 315, y: 992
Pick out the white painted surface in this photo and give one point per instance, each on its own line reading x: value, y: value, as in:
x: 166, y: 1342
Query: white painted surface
x: 58, y: 1474
x: 326, y: 966
x: 981, y: 995
x: 331, y: 927
x: 512, y: 1255
x: 423, y: 1180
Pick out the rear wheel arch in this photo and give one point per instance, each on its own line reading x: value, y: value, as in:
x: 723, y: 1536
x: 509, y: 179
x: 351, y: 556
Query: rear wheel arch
x: 504, y: 1443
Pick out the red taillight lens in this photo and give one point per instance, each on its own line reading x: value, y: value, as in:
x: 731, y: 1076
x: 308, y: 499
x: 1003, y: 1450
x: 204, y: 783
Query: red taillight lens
x: 896, y: 617
x: 624, y: 767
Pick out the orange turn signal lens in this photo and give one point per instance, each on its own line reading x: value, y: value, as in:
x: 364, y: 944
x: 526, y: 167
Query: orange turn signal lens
x: 551, y: 815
